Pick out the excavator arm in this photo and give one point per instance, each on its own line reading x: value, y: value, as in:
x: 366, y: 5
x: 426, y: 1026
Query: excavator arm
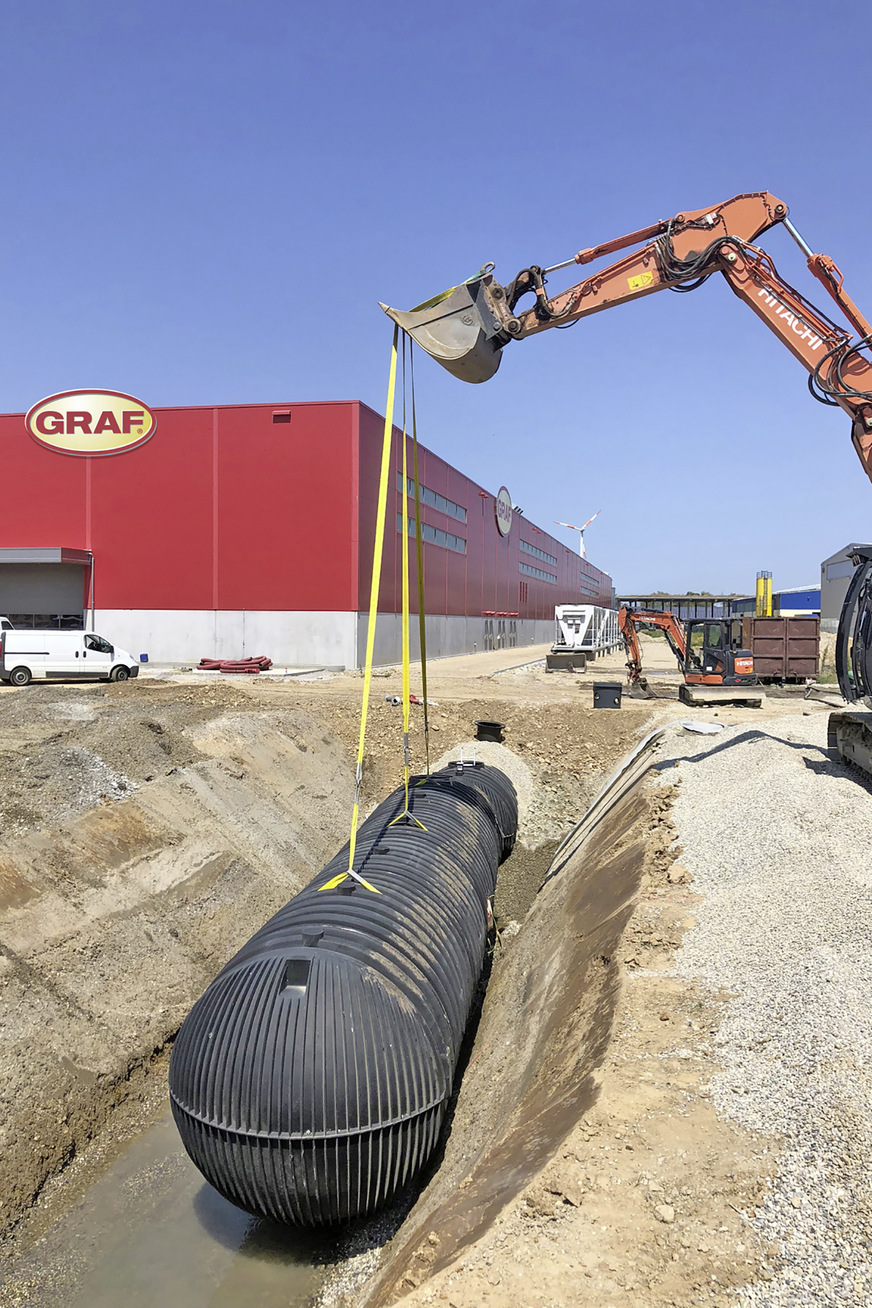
x: 629, y: 622
x: 467, y: 328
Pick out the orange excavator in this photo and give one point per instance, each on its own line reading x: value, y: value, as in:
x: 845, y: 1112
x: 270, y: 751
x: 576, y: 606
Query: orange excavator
x: 709, y: 652
x: 467, y: 327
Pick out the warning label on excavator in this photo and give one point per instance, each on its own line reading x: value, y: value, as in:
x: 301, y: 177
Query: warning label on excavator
x: 641, y: 279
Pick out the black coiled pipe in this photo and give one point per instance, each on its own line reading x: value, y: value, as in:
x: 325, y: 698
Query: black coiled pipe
x: 310, y: 1081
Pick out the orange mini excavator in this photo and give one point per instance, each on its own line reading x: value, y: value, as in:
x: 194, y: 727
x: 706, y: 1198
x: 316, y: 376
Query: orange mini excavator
x: 709, y: 652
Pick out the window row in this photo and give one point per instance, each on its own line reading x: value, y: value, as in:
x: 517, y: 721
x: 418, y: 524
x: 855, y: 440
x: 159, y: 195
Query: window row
x: 433, y: 498
x: 434, y: 535
x: 537, y: 572
x: 540, y: 554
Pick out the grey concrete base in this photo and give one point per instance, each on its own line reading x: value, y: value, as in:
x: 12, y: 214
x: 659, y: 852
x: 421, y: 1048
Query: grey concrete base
x: 447, y: 636
x: 565, y: 661
x: 300, y: 639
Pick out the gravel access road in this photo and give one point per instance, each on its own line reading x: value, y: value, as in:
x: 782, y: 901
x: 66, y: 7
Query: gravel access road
x: 777, y: 837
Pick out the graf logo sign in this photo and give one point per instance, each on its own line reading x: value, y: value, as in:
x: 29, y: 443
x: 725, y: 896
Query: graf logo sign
x: 503, y: 510
x: 90, y: 422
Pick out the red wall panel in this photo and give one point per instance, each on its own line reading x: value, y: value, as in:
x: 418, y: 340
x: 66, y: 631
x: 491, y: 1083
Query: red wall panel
x: 225, y: 509
x: 487, y: 578
x: 284, y: 517
x: 221, y: 509
x: 44, y: 501
x: 151, y: 517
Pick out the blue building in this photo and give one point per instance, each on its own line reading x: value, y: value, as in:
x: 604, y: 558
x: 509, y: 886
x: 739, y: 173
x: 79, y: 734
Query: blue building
x: 789, y: 603
x: 797, y: 600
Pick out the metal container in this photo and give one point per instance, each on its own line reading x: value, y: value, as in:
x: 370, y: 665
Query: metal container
x: 784, y: 649
x: 310, y: 1081
x: 607, y: 694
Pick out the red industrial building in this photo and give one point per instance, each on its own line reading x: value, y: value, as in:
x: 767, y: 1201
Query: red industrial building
x: 248, y: 529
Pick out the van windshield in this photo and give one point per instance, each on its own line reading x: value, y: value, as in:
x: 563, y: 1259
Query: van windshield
x: 98, y: 643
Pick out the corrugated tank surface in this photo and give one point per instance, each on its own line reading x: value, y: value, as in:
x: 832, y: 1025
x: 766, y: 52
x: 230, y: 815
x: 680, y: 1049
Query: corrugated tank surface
x: 310, y: 1081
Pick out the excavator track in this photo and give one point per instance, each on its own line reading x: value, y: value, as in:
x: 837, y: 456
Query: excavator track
x: 849, y: 738
x: 699, y: 696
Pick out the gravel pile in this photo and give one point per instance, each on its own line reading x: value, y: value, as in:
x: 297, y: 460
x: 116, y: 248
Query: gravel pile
x: 778, y: 840
x: 53, y: 783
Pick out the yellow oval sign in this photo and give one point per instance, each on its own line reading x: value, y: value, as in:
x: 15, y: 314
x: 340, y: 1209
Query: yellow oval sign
x: 90, y: 422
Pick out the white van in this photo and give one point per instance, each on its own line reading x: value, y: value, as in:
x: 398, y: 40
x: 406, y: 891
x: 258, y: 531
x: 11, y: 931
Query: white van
x: 27, y: 656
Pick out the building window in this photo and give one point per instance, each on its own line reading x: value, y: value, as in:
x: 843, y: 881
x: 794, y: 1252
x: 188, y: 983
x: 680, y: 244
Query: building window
x: 435, y: 535
x: 433, y: 499
x: 537, y: 572
x: 540, y: 554
x: 524, y: 585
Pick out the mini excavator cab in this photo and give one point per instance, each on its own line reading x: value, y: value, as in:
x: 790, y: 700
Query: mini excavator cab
x: 715, y: 655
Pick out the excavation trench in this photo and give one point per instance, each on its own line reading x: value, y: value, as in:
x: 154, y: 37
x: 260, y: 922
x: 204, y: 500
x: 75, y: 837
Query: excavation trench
x: 181, y: 824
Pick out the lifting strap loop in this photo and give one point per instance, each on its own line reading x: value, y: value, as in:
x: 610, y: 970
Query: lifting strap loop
x: 419, y: 560
x: 407, y: 759
x: 378, y: 550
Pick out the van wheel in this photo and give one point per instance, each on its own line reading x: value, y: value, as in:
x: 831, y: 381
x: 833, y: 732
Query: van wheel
x: 119, y: 674
x: 20, y: 676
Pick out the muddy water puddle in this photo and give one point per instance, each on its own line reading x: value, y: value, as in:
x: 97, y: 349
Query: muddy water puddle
x: 150, y: 1233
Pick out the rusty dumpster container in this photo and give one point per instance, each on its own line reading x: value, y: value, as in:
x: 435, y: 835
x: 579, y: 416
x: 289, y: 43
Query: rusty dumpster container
x: 784, y: 649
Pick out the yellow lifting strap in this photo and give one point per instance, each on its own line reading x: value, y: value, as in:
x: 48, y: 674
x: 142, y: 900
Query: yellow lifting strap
x: 419, y: 559
x: 407, y: 759
x: 378, y: 550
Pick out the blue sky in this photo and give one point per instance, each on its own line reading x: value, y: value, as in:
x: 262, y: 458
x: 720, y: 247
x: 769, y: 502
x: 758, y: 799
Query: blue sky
x: 203, y: 202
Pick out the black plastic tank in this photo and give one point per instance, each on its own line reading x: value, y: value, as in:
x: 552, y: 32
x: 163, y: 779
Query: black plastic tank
x: 310, y: 1081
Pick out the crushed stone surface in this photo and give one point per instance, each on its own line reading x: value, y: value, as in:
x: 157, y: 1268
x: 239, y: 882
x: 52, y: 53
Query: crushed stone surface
x: 777, y: 836
x: 67, y: 779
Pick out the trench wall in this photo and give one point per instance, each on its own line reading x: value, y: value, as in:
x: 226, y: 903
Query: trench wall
x: 114, y: 921
x: 542, y: 1038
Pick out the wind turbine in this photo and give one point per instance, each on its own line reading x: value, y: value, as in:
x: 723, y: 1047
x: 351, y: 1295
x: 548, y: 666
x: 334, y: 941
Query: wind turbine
x: 580, y: 530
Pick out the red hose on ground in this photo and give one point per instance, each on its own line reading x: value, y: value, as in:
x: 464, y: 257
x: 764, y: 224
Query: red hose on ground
x: 259, y: 664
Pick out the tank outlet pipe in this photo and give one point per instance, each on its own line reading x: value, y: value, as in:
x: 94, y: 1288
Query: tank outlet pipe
x: 310, y: 1081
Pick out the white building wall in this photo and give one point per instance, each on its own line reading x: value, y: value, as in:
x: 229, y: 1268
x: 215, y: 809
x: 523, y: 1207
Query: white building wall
x: 836, y: 574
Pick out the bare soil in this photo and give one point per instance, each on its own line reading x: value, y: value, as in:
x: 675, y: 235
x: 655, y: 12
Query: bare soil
x: 645, y: 1197
x: 151, y: 827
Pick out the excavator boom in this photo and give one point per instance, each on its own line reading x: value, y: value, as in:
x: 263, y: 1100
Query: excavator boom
x: 629, y: 621
x: 467, y: 328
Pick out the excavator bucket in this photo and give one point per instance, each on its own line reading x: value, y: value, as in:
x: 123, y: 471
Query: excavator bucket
x: 458, y: 328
